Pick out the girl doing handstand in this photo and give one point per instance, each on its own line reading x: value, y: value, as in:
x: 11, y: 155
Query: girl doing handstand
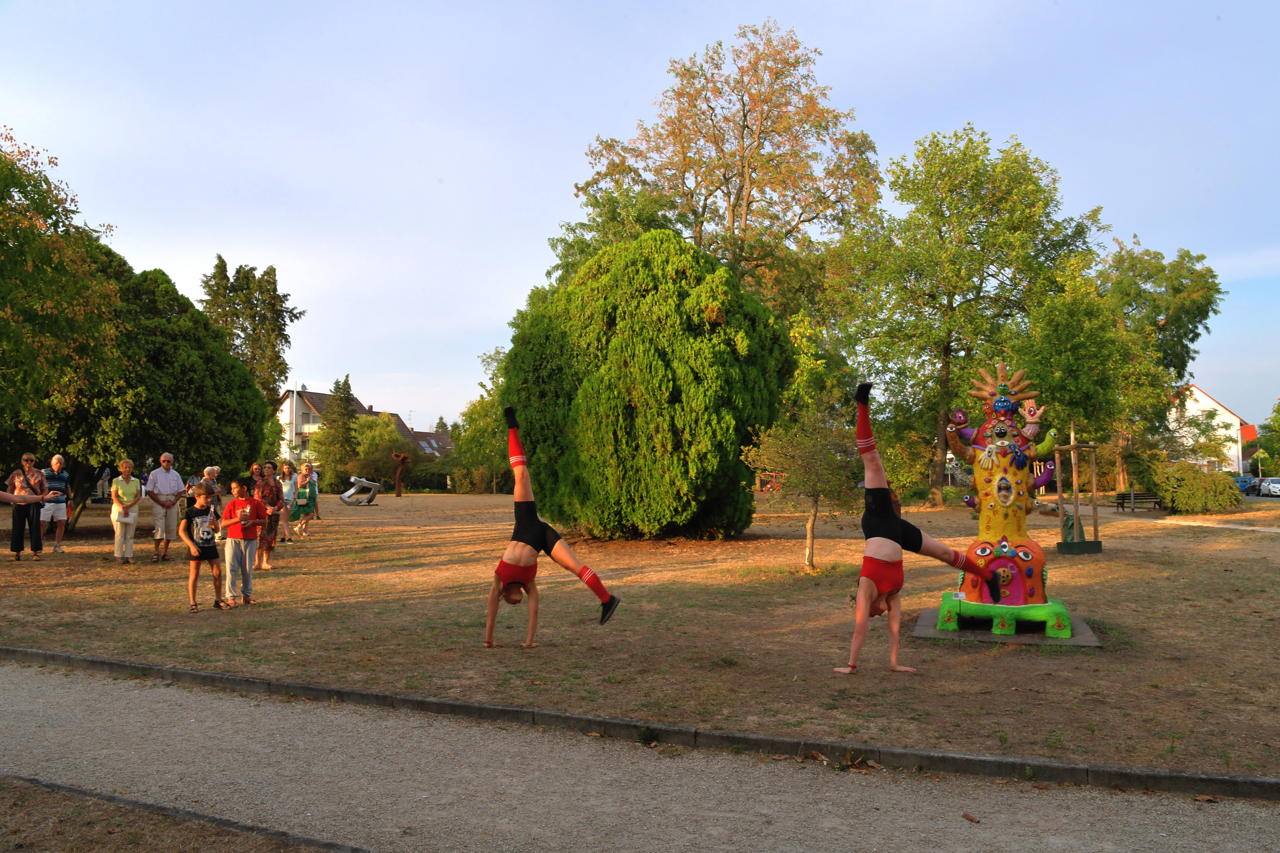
x: 880, y: 586
x: 516, y: 574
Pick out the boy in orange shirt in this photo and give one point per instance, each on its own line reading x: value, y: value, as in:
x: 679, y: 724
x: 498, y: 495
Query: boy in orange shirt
x: 242, y: 519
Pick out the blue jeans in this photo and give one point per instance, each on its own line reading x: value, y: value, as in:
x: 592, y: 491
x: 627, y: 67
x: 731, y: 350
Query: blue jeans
x: 237, y: 578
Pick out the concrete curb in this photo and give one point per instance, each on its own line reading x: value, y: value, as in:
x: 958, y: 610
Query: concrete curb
x: 170, y: 811
x: 1041, y: 769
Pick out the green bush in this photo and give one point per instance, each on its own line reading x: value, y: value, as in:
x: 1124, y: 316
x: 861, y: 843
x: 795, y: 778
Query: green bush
x: 1186, y: 488
x: 637, y: 385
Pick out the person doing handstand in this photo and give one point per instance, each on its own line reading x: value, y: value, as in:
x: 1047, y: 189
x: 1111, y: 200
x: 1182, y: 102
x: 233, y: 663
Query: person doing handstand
x: 516, y: 574
x: 880, y: 586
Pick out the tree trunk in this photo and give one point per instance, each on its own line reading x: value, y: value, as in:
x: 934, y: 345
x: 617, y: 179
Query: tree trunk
x: 82, y: 485
x: 938, y: 474
x: 809, y: 526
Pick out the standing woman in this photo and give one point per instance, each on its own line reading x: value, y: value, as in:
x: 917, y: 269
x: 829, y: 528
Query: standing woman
x: 28, y: 481
x: 126, y: 491
x: 288, y: 489
x: 304, y: 500
x: 272, y: 497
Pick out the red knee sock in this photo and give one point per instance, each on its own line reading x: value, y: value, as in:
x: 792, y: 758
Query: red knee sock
x: 592, y: 580
x: 961, y: 561
x: 866, y: 439
x: 514, y: 448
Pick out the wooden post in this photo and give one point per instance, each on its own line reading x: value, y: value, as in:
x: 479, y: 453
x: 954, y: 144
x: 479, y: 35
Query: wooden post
x: 1057, y: 484
x: 1093, y: 469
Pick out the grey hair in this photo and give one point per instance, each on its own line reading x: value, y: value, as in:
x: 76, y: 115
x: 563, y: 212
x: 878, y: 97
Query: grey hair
x: 211, y: 470
x: 57, y: 456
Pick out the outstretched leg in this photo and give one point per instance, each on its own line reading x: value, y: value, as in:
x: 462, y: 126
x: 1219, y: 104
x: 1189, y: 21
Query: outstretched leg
x: 519, y: 463
x: 931, y: 547
x: 872, y: 466
x: 564, y: 555
x: 867, y: 594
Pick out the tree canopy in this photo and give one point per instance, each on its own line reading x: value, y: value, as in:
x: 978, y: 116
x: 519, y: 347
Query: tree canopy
x: 334, y: 444
x: 637, y: 384
x: 953, y: 279
x: 255, y: 316
x: 56, y: 305
x: 745, y: 158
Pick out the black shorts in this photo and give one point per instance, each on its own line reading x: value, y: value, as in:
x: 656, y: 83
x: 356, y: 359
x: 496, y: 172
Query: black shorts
x: 207, y: 553
x: 533, y: 531
x: 879, y: 520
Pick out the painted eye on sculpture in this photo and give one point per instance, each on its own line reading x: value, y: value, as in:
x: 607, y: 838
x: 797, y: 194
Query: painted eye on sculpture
x: 983, y: 551
x: 1024, y: 554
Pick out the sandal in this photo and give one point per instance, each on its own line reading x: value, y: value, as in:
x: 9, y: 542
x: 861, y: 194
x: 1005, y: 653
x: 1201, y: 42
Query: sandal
x: 219, y: 604
x: 248, y: 600
x: 155, y: 558
x: 195, y: 608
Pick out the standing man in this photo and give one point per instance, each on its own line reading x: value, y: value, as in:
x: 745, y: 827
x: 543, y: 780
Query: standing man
x: 164, y: 488
x: 55, y: 509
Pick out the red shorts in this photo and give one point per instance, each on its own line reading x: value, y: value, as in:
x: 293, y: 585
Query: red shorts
x: 507, y: 573
x: 886, y: 575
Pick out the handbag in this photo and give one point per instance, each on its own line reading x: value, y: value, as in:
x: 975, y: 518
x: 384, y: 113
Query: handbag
x: 32, y: 489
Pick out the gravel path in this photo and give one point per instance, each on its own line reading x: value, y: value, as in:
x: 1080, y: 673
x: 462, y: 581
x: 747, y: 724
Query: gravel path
x: 392, y: 780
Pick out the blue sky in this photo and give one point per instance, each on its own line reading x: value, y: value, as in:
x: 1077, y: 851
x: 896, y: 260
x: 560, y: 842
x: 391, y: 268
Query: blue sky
x: 403, y: 164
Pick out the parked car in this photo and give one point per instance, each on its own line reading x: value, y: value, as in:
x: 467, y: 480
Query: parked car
x: 1247, y: 485
x: 1269, y: 487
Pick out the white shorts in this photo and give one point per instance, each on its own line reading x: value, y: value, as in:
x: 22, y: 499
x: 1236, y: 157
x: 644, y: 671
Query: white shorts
x: 54, y: 512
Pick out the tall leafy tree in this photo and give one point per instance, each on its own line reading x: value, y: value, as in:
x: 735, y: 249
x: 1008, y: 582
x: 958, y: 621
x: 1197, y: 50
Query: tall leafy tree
x: 1172, y: 299
x: 56, y: 305
x: 334, y: 444
x: 480, y: 446
x: 638, y: 383
x: 441, y: 425
x: 745, y: 158
x: 249, y: 307
x: 981, y: 241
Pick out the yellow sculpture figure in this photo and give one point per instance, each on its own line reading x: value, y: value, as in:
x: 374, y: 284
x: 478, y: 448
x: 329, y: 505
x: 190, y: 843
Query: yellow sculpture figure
x: 1001, y: 453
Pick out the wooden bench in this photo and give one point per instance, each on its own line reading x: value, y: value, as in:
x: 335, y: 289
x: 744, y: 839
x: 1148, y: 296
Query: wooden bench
x: 1137, y: 499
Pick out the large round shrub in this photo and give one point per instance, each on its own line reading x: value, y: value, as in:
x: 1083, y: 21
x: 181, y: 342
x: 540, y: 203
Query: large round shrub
x: 1189, y: 489
x: 637, y: 384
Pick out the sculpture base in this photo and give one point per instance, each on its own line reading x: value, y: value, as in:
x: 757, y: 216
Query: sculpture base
x: 979, y: 630
x: 1087, y: 546
x: 1005, y: 618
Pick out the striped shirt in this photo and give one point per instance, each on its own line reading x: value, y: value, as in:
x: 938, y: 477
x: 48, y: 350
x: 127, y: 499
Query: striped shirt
x: 58, y: 481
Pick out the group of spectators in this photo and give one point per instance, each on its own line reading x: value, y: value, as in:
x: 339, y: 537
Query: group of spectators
x: 249, y: 525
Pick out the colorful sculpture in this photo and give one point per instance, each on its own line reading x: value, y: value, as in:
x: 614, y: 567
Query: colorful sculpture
x: 1001, y: 453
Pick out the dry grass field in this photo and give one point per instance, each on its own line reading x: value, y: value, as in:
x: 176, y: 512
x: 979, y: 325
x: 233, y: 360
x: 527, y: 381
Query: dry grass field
x: 728, y: 635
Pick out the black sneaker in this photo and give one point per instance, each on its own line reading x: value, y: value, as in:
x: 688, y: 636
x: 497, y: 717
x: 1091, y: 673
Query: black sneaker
x: 607, y: 608
x: 510, y: 414
x: 863, y: 394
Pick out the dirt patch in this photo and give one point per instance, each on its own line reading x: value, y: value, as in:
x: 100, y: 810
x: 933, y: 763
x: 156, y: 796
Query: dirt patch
x: 39, y: 818
x: 727, y: 635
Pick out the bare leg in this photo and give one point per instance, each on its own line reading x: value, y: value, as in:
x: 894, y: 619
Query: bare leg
x: 524, y: 483
x: 931, y: 547
x: 193, y: 574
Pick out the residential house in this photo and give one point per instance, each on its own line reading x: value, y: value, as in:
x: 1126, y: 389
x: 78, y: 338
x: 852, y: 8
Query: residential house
x: 1232, y: 428
x: 301, y: 412
x: 434, y: 443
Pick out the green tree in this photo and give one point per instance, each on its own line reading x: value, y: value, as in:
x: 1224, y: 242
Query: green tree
x: 1172, y: 299
x: 256, y: 317
x: 441, y: 426
x: 638, y: 383
x: 480, y: 439
x: 172, y: 371
x: 376, y: 439
x: 56, y: 305
x: 812, y: 445
x: 334, y: 444
x: 745, y: 158
x: 980, y: 243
